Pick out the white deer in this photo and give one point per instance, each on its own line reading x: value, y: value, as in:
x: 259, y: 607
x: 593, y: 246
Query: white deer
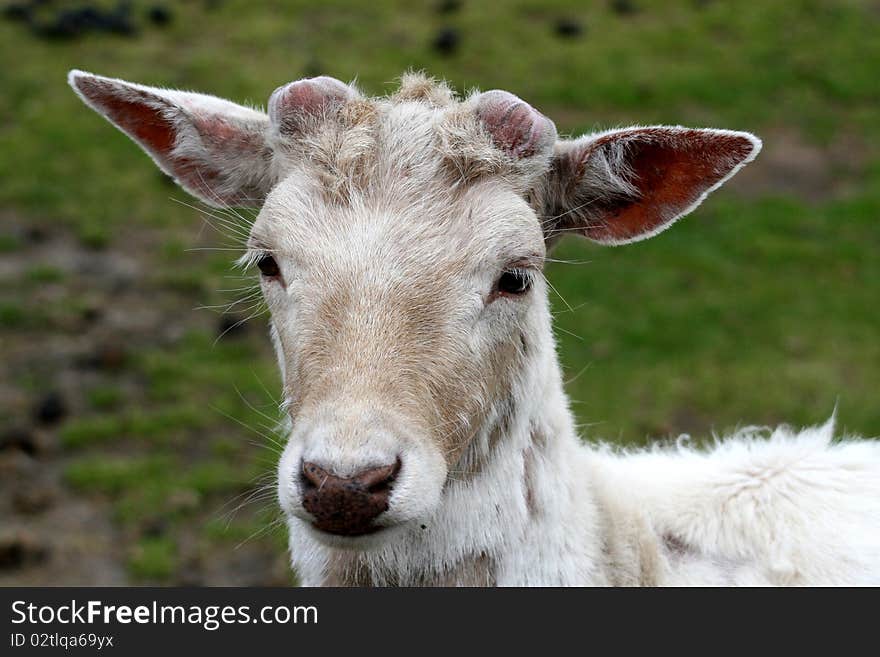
x: 401, y: 242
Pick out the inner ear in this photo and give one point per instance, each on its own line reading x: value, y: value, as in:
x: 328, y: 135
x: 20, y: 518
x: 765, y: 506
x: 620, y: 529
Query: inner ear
x: 144, y: 118
x: 627, y: 185
x: 215, y: 149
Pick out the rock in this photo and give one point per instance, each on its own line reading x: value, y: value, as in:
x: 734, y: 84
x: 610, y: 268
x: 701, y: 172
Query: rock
x: 33, y: 500
x: 119, y: 20
x: 110, y: 356
x: 154, y: 527
x: 73, y: 23
x: 50, y: 409
x: 67, y: 24
x: 447, y: 41
x: 448, y: 6
x: 17, y: 11
x: 160, y: 15
x: 36, y: 234
x: 20, y: 439
x: 92, y: 313
x: 21, y: 549
x: 624, y: 7
x: 568, y: 28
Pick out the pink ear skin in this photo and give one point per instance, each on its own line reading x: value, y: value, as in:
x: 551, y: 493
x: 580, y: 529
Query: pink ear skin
x: 147, y: 119
x: 672, y: 170
x: 309, y: 97
x: 516, y: 127
x: 141, y: 115
x: 214, y: 149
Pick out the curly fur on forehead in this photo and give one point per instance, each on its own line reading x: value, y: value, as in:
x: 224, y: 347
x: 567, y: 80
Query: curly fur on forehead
x: 423, y: 132
x: 418, y: 87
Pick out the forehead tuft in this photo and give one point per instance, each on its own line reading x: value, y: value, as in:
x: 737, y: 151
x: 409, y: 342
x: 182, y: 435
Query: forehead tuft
x: 422, y: 134
x: 418, y: 87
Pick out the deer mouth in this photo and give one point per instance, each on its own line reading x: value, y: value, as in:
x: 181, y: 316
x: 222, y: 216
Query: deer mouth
x: 347, y: 531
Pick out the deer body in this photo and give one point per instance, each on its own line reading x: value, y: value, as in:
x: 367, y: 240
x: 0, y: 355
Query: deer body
x: 401, y: 244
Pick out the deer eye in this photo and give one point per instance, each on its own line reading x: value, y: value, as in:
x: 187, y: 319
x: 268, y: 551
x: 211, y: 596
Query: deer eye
x: 268, y: 267
x: 514, y: 282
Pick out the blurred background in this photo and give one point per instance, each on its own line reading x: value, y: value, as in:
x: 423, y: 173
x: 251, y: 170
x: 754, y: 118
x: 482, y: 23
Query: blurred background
x: 136, y: 425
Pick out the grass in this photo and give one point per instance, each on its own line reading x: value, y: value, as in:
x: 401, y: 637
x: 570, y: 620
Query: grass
x: 105, y: 398
x: 713, y: 325
x: 757, y: 308
x: 44, y: 274
x: 154, y: 558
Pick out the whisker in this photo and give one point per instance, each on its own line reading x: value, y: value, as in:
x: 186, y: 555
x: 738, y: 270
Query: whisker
x: 247, y: 426
x: 577, y: 376
x: 243, y: 321
x: 567, y: 332
x: 261, y: 532
x: 550, y: 285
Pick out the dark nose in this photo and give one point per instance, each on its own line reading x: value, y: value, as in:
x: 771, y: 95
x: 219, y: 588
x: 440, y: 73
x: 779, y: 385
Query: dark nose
x: 347, y: 505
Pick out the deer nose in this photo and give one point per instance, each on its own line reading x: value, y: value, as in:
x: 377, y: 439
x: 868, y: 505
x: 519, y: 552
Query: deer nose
x: 347, y: 506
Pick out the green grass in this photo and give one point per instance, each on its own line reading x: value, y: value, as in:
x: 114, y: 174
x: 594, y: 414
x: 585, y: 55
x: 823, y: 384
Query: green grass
x: 113, y: 475
x: 153, y: 558
x: 105, y: 398
x: 44, y: 274
x: 712, y: 325
x: 754, y: 309
x: 9, y: 243
x: 12, y: 315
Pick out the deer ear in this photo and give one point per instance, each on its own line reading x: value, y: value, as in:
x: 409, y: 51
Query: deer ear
x: 216, y: 150
x: 627, y: 185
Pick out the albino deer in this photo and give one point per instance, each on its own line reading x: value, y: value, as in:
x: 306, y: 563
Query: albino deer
x: 401, y: 242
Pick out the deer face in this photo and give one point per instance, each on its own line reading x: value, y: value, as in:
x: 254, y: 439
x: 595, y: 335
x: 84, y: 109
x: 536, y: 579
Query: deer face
x: 399, y: 323
x: 400, y: 245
